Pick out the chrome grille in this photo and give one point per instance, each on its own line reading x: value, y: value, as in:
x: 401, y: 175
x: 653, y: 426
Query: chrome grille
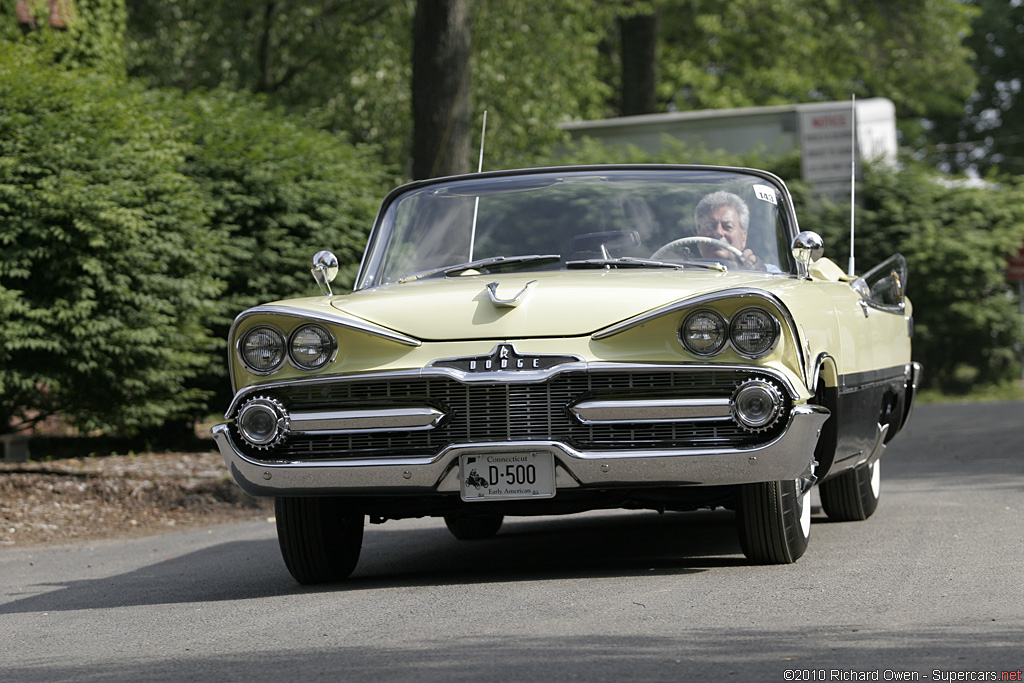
x: 482, y: 412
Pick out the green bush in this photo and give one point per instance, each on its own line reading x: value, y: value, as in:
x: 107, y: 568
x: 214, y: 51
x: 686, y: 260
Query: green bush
x: 955, y: 239
x: 134, y: 225
x: 278, y: 192
x: 103, y: 281
x: 91, y: 34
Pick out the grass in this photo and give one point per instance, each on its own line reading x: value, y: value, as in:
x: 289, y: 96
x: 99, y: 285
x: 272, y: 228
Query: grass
x: 1011, y: 391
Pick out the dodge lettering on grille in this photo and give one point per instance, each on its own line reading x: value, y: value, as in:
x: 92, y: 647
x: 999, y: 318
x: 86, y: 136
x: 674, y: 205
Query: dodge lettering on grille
x: 504, y: 358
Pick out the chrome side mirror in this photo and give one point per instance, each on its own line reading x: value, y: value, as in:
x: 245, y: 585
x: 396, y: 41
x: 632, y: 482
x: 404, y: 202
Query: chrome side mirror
x: 324, y: 270
x: 807, y: 247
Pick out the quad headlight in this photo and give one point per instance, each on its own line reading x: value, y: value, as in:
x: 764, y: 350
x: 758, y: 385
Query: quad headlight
x: 311, y: 347
x: 752, y: 333
x: 264, y: 349
x: 703, y: 333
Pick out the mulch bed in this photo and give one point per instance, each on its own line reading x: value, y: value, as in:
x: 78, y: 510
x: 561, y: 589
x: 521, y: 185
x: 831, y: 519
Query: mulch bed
x: 79, y: 499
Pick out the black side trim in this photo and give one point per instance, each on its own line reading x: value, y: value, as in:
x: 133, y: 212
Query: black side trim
x: 860, y: 381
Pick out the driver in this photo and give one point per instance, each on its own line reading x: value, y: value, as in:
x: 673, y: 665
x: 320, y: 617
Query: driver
x: 724, y: 216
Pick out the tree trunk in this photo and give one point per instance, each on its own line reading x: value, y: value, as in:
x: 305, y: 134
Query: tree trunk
x: 639, y: 63
x: 442, y: 40
x: 266, y: 49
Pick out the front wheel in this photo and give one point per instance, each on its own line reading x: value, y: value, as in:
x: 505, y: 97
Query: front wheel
x: 853, y: 495
x: 320, y: 538
x: 774, y: 521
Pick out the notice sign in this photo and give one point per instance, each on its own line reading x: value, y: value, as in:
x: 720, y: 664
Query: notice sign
x: 826, y: 144
x: 1015, y: 268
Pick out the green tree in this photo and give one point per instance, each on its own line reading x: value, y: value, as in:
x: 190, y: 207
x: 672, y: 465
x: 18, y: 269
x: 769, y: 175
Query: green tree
x: 764, y: 52
x: 345, y: 61
x: 989, y: 132
x: 348, y: 65
x: 536, y: 63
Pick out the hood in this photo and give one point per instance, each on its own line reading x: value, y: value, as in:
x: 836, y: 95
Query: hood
x: 521, y: 305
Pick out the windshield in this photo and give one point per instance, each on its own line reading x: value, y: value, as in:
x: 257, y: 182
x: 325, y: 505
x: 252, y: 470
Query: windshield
x: 599, y: 218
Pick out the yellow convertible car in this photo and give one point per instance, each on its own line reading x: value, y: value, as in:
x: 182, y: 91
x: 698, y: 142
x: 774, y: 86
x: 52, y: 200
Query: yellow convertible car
x: 556, y: 340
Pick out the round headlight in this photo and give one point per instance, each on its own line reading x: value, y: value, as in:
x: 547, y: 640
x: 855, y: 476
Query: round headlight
x: 311, y: 347
x: 263, y: 422
x: 262, y: 350
x: 703, y: 333
x: 756, y: 405
x: 754, y: 332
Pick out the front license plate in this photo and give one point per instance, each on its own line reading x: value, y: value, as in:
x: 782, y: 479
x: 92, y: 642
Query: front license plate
x: 507, y: 476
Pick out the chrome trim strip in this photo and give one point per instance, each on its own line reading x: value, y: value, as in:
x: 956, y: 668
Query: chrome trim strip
x: 505, y: 377
x: 879, y: 448
x: 328, y: 317
x: 815, y: 372
x: 652, y: 410
x: 355, y: 421
x: 787, y: 457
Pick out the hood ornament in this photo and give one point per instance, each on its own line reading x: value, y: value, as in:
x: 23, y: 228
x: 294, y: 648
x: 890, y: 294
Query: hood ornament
x: 492, y: 291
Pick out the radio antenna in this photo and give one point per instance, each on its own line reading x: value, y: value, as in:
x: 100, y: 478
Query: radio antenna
x: 476, y: 204
x: 483, y: 132
x: 853, y: 174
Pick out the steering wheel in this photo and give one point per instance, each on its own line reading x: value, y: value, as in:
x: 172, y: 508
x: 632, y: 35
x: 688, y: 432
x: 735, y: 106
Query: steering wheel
x: 696, y: 239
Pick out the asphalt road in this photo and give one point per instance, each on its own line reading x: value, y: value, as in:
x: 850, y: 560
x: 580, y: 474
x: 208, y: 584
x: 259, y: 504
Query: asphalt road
x: 930, y: 588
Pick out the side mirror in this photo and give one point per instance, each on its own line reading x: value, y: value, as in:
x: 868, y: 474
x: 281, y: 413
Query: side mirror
x: 324, y: 270
x: 807, y: 247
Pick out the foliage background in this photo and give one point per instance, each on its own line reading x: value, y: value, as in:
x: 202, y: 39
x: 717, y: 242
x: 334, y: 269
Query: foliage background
x: 166, y: 164
x: 102, y: 265
x: 137, y: 223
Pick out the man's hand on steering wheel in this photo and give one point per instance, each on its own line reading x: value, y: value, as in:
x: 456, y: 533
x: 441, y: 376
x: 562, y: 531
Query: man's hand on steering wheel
x: 751, y: 261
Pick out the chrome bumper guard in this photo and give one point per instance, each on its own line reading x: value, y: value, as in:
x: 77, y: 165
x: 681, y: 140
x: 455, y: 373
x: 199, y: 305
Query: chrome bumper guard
x: 786, y: 457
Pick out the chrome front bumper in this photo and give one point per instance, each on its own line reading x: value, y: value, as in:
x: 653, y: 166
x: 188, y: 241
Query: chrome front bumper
x: 787, y: 457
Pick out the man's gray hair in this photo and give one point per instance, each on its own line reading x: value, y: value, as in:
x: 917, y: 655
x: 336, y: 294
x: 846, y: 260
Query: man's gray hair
x: 716, y: 200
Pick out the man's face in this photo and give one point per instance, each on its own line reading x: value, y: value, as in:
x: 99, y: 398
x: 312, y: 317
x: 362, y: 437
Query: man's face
x: 723, y: 224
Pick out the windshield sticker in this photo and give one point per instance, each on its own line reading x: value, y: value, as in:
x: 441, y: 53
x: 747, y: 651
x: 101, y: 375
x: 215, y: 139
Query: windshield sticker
x: 765, y: 194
